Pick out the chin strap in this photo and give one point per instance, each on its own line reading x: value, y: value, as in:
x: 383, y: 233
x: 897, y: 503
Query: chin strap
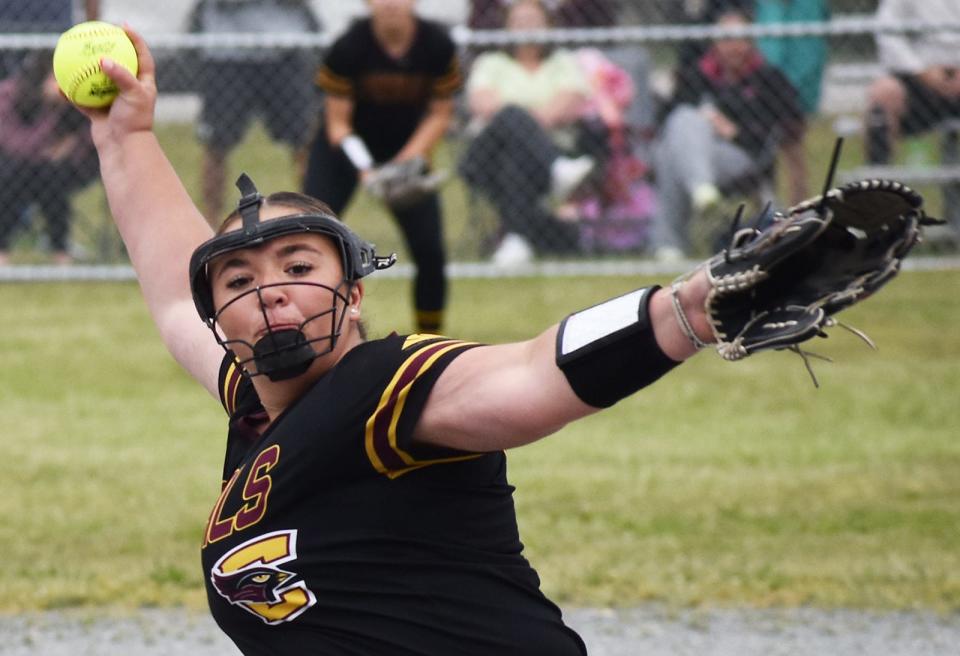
x: 283, y: 354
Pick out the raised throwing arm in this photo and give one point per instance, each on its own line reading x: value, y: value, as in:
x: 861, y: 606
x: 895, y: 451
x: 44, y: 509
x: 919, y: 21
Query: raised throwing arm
x: 157, y: 219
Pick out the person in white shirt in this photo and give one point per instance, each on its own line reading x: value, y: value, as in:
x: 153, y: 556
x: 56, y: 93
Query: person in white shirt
x: 921, y: 86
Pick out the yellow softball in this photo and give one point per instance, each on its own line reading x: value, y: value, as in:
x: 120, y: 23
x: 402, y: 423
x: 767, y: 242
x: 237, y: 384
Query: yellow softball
x: 76, y: 62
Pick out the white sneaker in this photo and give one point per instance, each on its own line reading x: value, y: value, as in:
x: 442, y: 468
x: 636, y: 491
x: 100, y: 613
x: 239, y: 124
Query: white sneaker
x: 704, y: 197
x: 566, y: 174
x: 513, y: 251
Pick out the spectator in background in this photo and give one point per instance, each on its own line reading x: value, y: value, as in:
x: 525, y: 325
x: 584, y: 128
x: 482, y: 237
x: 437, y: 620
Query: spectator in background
x: 802, y: 59
x: 389, y: 85
x: 922, y: 85
x: 640, y: 115
x: 40, y: 17
x: 45, y: 154
x: 239, y: 83
x: 692, y: 12
x: 730, y: 114
x: 699, y: 13
x: 526, y: 105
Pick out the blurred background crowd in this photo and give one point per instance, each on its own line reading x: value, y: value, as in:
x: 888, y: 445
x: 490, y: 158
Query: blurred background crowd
x: 559, y: 128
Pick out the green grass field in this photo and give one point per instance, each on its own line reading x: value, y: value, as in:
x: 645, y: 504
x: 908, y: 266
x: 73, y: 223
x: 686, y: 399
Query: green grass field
x: 725, y: 484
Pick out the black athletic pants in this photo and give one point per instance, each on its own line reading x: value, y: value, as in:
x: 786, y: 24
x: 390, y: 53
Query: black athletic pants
x: 509, y: 163
x: 49, y: 185
x: 332, y: 178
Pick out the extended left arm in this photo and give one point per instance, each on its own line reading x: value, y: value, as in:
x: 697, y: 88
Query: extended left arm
x: 769, y: 289
x: 502, y: 396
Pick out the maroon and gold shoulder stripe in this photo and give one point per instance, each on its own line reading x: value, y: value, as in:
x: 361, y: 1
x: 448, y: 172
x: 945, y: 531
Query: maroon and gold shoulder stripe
x: 231, y: 385
x: 381, y: 442
x: 448, y: 83
x: 332, y: 83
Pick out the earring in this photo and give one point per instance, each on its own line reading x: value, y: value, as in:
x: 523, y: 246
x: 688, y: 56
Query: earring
x: 354, y: 310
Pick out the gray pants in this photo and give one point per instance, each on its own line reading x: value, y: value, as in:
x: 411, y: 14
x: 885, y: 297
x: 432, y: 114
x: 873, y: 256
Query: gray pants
x: 688, y: 155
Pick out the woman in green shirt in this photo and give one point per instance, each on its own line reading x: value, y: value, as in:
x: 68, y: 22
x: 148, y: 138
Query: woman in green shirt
x: 526, y: 106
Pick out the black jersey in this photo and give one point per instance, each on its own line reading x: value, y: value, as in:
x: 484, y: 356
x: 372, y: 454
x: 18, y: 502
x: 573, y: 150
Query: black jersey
x: 390, y: 95
x: 335, y: 534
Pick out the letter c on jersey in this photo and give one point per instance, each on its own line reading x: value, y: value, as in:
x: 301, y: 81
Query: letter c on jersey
x: 249, y: 576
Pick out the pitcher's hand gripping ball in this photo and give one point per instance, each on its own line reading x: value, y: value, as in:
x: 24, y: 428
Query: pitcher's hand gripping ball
x: 76, y: 62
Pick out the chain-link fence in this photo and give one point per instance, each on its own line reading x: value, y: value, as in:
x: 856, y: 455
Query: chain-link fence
x: 590, y: 128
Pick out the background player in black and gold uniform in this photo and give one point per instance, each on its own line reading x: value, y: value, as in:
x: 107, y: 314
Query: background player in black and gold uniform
x: 365, y: 507
x: 388, y: 86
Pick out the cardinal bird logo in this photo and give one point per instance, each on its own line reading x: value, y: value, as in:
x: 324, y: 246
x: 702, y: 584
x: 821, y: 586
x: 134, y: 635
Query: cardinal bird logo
x: 257, y: 584
x: 250, y: 576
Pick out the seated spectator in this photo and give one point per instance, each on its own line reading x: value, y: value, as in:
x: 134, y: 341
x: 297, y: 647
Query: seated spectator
x: 640, y: 115
x: 729, y: 116
x: 922, y: 85
x: 527, y: 104
x: 46, y: 154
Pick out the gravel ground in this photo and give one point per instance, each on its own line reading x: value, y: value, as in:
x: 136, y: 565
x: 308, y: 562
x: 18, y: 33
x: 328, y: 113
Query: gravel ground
x: 646, y: 631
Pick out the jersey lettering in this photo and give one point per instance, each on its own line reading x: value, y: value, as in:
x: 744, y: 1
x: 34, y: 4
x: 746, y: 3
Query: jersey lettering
x: 257, y: 489
x: 256, y: 493
x: 218, y: 529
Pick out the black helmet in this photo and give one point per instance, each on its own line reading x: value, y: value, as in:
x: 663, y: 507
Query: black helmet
x: 285, y: 353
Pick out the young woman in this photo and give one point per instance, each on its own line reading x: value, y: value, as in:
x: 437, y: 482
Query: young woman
x: 731, y: 114
x: 365, y: 507
x: 526, y: 104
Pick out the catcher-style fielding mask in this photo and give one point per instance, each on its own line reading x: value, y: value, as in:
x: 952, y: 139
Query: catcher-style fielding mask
x: 286, y: 353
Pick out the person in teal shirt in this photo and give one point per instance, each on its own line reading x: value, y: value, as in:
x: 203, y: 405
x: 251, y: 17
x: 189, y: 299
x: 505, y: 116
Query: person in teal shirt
x: 801, y: 59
